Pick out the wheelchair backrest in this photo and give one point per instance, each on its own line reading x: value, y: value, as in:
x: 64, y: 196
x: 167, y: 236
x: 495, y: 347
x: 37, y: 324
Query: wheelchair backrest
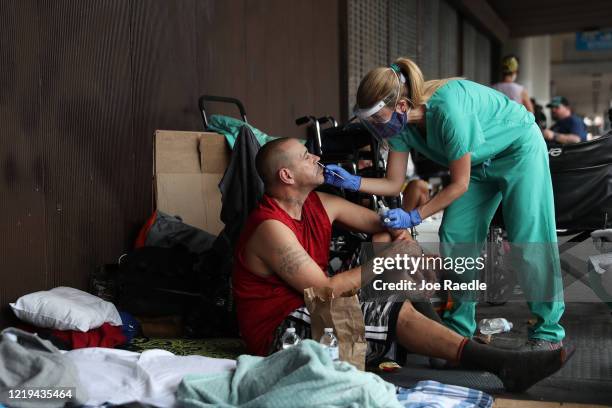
x: 582, y: 183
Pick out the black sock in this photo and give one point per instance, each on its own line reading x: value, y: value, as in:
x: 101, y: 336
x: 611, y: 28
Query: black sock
x: 427, y: 310
x: 518, y: 370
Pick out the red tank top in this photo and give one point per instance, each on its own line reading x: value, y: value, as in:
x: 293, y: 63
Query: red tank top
x: 262, y: 303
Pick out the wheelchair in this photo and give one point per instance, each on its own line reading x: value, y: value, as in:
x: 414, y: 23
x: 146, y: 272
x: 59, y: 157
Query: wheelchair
x: 350, y: 146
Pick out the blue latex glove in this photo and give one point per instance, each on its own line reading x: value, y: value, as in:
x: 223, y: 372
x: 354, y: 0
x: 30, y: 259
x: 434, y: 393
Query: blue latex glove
x: 351, y: 182
x: 398, y: 218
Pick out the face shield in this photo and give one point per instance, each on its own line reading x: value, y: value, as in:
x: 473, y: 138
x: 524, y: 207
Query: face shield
x: 382, y: 120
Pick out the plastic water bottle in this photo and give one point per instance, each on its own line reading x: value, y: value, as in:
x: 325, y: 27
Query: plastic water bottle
x: 383, y: 210
x: 494, y: 326
x: 330, y: 342
x: 290, y: 339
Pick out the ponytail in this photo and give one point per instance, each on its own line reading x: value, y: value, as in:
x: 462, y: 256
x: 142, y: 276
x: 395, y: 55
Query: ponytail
x: 381, y: 82
x: 414, y: 81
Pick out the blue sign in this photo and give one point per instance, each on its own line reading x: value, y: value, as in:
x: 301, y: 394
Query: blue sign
x: 594, y: 40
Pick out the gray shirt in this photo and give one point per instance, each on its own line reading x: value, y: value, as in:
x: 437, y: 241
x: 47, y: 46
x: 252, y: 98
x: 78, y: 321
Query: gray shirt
x: 511, y: 89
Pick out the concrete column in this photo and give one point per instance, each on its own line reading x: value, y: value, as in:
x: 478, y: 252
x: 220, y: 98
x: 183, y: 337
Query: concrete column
x: 534, y: 68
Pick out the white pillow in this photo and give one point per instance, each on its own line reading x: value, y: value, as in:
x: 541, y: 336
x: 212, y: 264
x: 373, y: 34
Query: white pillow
x: 65, y: 308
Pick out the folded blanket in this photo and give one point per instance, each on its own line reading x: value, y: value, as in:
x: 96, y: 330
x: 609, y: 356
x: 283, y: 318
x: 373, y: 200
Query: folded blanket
x: 301, y: 376
x: 432, y: 394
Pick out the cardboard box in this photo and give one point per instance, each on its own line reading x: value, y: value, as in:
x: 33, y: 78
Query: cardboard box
x: 188, y: 167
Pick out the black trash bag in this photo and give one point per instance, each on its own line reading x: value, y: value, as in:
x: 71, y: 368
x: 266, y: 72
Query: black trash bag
x: 155, y: 281
x: 169, y: 231
x: 103, y: 282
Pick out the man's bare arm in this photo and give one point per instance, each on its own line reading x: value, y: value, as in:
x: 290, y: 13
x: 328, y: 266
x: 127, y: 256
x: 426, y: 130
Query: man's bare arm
x: 561, y: 138
x: 566, y: 138
x: 283, y: 255
x: 352, y: 216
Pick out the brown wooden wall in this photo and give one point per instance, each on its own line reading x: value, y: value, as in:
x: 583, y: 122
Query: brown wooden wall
x: 83, y: 86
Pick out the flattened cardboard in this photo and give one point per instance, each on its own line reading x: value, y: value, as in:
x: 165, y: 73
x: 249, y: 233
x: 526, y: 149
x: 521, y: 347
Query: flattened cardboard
x: 188, y: 167
x: 214, y: 153
x: 177, y: 152
x: 182, y: 194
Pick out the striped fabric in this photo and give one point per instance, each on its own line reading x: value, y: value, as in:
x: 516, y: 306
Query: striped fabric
x: 432, y: 394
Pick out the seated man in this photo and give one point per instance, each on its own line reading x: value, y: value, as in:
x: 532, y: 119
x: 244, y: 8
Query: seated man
x: 568, y: 127
x: 284, y: 249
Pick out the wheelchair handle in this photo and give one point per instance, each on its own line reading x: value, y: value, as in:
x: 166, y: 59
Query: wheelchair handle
x: 317, y: 130
x: 224, y: 99
x: 329, y: 119
x: 304, y: 120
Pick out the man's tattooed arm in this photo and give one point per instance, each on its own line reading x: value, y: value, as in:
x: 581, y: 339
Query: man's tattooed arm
x: 291, y: 257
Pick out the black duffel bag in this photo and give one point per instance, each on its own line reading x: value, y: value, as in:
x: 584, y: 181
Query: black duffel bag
x: 158, y: 282
x: 582, y: 183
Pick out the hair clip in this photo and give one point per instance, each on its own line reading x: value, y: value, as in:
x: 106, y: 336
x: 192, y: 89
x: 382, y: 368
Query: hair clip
x: 396, y: 68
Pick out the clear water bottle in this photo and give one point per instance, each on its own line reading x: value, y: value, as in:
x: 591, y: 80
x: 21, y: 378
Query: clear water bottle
x: 383, y: 210
x: 494, y: 326
x: 330, y: 342
x: 290, y: 339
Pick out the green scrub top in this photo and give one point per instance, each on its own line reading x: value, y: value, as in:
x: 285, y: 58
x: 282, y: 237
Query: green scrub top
x: 465, y: 117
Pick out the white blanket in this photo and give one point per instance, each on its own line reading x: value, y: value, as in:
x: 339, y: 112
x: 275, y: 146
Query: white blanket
x: 119, y: 376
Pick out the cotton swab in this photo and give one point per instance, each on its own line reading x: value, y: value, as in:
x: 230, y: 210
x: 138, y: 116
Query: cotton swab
x: 331, y: 171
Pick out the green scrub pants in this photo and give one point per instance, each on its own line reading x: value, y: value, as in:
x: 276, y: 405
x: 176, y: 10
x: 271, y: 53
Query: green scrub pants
x: 519, y: 178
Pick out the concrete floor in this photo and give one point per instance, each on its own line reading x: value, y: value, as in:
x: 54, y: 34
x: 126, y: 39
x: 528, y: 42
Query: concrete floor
x: 587, y: 377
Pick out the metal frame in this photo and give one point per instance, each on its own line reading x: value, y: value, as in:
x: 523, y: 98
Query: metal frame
x: 223, y: 99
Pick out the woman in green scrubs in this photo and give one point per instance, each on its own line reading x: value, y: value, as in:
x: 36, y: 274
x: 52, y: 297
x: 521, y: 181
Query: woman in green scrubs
x: 495, y: 153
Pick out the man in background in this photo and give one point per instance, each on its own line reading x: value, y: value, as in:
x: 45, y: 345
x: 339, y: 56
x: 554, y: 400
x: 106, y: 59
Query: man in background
x: 568, y: 127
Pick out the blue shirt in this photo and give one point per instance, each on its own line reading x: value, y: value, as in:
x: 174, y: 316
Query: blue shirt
x: 572, y: 124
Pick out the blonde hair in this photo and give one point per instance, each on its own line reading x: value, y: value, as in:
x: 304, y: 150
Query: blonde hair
x: 432, y: 86
x: 381, y: 82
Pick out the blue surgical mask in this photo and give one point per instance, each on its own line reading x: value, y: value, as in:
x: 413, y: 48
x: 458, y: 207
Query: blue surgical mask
x: 393, y: 126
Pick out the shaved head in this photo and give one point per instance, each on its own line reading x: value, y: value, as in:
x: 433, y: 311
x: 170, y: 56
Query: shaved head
x: 271, y: 158
x: 285, y: 163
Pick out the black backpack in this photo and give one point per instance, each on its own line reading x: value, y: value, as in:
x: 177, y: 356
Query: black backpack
x: 156, y: 282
